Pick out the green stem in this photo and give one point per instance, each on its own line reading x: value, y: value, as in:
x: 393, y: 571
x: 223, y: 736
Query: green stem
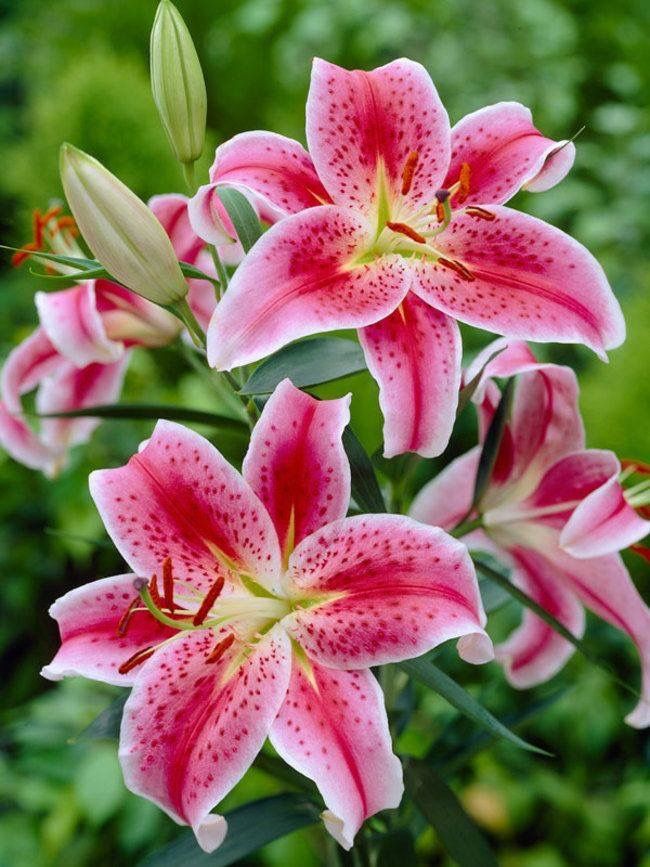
x: 184, y: 312
x: 543, y: 614
x: 222, y: 274
x: 188, y: 174
x: 160, y: 616
x: 466, y: 527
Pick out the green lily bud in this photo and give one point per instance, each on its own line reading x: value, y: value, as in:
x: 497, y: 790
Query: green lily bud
x: 121, y: 231
x: 177, y: 83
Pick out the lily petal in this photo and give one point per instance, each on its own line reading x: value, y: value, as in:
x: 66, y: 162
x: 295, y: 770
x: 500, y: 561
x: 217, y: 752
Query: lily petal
x: 604, y: 585
x: 384, y: 588
x: 171, y: 211
x: 505, y: 152
x: 535, y: 652
x: 363, y: 126
x: 415, y: 356
x: 526, y: 280
x: 296, y: 463
x: 447, y: 498
x: 77, y: 388
x: 603, y: 523
x: 74, y: 325
x: 276, y: 170
x: 26, y: 365
x: 191, y: 729
x: 92, y: 645
x: 23, y: 444
x: 333, y: 728
x: 301, y: 278
x: 180, y: 498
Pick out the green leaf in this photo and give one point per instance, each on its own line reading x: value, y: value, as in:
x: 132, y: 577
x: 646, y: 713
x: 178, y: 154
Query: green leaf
x: 309, y: 362
x: 98, y: 784
x: 153, y: 412
x: 492, y: 442
x: 472, y: 745
x: 365, y: 488
x: 424, y: 670
x: 107, y: 724
x: 249, y: 828
x: 397, y: 849
x: 458, y: 833
x: 192, y: 271
x: 244, y: 218
x: 73, y: 261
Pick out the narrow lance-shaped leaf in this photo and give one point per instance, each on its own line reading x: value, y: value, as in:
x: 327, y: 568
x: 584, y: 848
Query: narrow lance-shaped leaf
x: 458, y: 833
x: 307, y: 363
x: 492, y: 443
x: 365, y: 488
x: 249, y: 828
x: 423, y: 670
x: 244, y: 218
x: 107, y: 724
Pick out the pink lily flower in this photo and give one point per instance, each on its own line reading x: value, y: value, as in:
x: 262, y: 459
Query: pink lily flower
x: 394, y: 224
x: 533, y: 515
x: 78, y: 356
x: 268, y: 610
x: 61, y: 386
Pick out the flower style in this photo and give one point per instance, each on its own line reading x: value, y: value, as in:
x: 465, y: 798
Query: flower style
x: 394, y: 223
x: 79, y: 354
x: 550, y: 504
x: 257, y: 612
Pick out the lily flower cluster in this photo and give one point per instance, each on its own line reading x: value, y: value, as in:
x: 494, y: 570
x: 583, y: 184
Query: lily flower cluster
x: 256, y: 605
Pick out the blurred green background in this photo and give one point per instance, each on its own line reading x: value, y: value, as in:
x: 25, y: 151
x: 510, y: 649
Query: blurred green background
x: 77, y: 70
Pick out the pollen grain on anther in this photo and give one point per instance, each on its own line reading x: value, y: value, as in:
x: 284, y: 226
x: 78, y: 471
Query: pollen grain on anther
x: 220, y: 648
x: 409, y: 171
x: 208, y: 601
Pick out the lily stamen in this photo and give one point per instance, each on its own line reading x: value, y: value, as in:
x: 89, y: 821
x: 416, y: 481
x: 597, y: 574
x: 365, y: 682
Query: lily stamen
x: 208, y: 601
x: 220, y: 648
x: 481, y: 213
x: 137, y: 659
x: 458, y: 267
x: 405, y: 229
x: 409, y: 171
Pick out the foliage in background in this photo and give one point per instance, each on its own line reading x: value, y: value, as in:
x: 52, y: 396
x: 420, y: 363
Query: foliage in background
x: 78, y: 71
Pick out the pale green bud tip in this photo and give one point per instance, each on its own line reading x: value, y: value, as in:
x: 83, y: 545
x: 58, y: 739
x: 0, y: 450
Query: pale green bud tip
x: 177, y: 83
x: 121, y: 231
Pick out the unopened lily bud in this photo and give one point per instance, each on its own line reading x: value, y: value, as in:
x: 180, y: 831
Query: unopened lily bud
x: 121, y: 231
x: 177, y: 83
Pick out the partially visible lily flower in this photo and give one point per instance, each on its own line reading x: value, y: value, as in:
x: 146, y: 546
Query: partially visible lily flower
x: 120, y: 229
x: 543, y: 476
x: 61, y: 386
x: 78, y: 356
x: 394, y: 223
x: 256, y: 609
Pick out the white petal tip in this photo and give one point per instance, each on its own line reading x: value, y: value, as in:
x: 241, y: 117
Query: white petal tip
x: 336, y: 827
x: 476, y: 648
x: 211, y: 832
x: 49, y: 672
x: 639, y: 718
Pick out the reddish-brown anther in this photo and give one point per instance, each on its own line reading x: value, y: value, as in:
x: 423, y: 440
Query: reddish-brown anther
x: 123, y: 625
x: 405, y: 229
x: 208, y: 601
x: 168, y: 584
x: 456, y: 266
x: 481, y: 213
x: 220, y: 648
x: 408, y: 171
x: 135, y: 660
